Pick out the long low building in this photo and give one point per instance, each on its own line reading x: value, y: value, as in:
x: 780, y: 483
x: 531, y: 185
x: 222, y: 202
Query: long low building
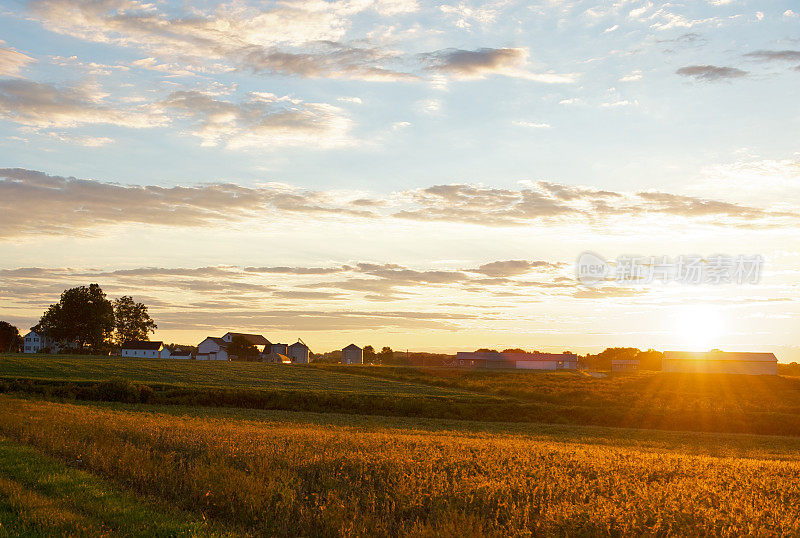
x: 720, y: 362
x: 494, y: 360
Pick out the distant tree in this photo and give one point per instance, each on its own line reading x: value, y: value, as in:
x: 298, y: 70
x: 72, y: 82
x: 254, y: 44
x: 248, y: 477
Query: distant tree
x: 650, y: 359
x: 486, y: 350
x: 9, y: 337
x: 131, y: 321
x: 386, y: 354
x: 82, y: 317
x: 369, y: 352
x: 514, y: 350
x: 241, y: 348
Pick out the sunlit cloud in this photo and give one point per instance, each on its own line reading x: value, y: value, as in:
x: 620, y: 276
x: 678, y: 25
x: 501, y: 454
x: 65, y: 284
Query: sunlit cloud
x: 477, y: 64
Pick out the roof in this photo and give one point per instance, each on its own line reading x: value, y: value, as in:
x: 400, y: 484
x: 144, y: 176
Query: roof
x: 143, y: 344
x: 720, y: 356
x: 255, y: 339
x: 352, y: 346
x: 299, y: 344
x: 497, y: 356
x: 217, y: 340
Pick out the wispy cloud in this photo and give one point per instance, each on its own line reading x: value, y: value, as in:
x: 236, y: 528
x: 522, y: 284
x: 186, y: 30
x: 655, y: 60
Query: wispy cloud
x: 12, y: 62
x: 477, y: 64
x: 80, y: 206
x: 711, y: 73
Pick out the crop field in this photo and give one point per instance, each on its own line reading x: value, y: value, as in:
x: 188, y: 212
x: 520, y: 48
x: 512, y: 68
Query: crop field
x: 278, y: 473
x: 83, y: 452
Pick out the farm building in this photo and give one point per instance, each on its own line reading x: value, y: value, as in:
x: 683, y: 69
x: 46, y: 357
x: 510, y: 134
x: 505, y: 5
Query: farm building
x: 179, y: 353
x: 279, y: 349
x: 352, y: 354
x: 720, y: 362
x: 146, y: 349
x: 261, y: 343
x: 212, y: 349
x: 624, y: 365
x: 35, y: 342
x: 298, y: 352
x: 494, y: 360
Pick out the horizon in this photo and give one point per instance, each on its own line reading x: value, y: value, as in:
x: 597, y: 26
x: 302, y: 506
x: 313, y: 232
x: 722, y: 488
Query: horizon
x: 421, y: 176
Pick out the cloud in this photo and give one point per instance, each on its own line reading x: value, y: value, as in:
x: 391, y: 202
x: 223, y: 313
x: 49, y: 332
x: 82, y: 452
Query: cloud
x: 298, y: 270
x: 478, y: 64
x: 512, y: 267
x: 12, y: 62
x: 42, y: 105
x: 531, y: 124
x: 775, y: 55
x: 297, y: 38
x: 67, y: 205
x: 261, y: 119
x: 711, y: 72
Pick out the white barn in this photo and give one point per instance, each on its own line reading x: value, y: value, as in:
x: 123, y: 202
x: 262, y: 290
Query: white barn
x: 145, y: 349
x: 720, y: 362
x: 212, y: 349
x: 352, y: 354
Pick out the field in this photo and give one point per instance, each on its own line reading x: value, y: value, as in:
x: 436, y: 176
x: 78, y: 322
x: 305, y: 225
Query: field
x: 90, y: 467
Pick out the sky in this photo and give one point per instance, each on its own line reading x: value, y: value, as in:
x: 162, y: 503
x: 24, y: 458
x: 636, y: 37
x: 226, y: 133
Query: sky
x: 414, y: 174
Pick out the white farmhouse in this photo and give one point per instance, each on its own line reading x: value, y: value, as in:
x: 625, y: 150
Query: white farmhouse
x: 145, y: 349
x: 720, y: 362
x: 34, y: 342
x: 352, y: 354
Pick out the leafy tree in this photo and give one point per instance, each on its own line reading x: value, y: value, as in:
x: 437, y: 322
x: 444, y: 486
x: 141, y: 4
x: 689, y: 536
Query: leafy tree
x: 241, y: 348
x: 131, y: 320
x: 486, y: 350
x: 514, y: 350
x: 82, y: 317
x: 369, y: 352
x: 386, y: 354
x: 9, y: 337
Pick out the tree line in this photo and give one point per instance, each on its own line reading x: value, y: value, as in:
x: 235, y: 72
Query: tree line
x: 84, y: 320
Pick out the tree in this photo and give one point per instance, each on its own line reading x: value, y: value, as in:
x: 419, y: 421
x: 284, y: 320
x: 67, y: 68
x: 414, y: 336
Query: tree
x: 386, y: 354
x: 241, y: 348
x: 369, y: 352
x: 131, y: 321
x: 514, y: 350
x: 9, y: 337
x: 82, y: 317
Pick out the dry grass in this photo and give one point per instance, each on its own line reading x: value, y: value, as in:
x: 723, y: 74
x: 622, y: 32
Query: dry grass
x: 289, y: 477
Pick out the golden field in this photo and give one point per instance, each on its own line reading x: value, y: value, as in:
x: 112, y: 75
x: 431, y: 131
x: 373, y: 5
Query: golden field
x: 282, y: 473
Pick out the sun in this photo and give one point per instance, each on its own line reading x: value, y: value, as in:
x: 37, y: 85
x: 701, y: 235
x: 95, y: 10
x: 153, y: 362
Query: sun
x: 699, y: 328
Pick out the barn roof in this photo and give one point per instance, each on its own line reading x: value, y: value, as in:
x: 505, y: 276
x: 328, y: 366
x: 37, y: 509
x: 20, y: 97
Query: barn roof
x: 299, y: 344
x: 720, y: 356
x: 255, y: 339
x: 143, y: 344
x: 352, y: 346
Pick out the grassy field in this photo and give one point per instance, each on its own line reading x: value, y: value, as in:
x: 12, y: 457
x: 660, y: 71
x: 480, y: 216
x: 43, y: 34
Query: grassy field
x: 40, y: 496
x: 104, y: 446
x: 277, y: 473
x: 204, y: 374
x: 768, y: 405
